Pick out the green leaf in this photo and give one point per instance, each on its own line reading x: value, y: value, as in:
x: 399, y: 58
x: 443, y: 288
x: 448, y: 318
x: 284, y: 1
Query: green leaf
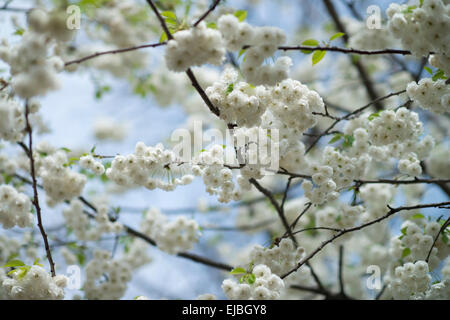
x: 229, y: 88
x: 23, y: 272
x: 65, y: 149
x: 420, y: 3
x: 404, y: 230
x: 337, y: 35
x: 418, y: 216
x: 19, y: 32
x: 251, y: 278
x: 14, y: 263
x: 238, y: 271
x: 36, y: 263
x: 317, y: 56
x: 309, y: 43
x: 211, y: 25
x: 406, y: 252
x: 93, y: 149
x: 439, y: 75
x: 241, y: 15
x: 427, y: 69
x: 169, y: 14
x: 163, y: 37
x: 373, y: 116
x: 241, y: 52
x: 81, y: 258
x: 335, y: 138
x: 348, y: 141
x: 7, y: 178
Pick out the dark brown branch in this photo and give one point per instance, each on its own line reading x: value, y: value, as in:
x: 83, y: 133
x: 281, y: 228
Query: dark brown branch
x: 346, y: 50
x: 275, y: 204
x: 98, y: 54
x: 349, y: 116
x: 161, y: 19
x: 189, y: 72
x: 444, y: 226
x: 211, y: 9
x: 34, y: 184
x: 341, y: 270
x: 202, y: 92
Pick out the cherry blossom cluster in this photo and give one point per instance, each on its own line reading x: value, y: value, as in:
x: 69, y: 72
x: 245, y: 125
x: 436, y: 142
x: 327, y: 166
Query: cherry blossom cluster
x: 238, y: 102
x: 34, y: 73
x: 340, y: 216
x: 416, y: 241
x: 194, y: 47
x: 172, y: 236
x: 325, y: 190
x: 89, y: 162
x: 264, y: 42
x: 438, y: 163
x: 37, y: 284
x: 440, y: 61
x: 376, y: 197
x: 430, y: 95
x: 59, y: 182
x: 420, y: 29
x: 106, y: 279
x: 217, y: 178
x: 267, y: 286
x: 15, y: 208
x: 294, y: 103
x: 394, y: 127
x: 144, y: 166
x: 280, y: 259
x: 412, y: 281
x: 81, y: 225
x: 12, y: 121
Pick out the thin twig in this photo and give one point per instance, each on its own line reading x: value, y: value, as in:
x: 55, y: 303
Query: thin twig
x: 98, y: 54
x: 444, y: 226
x: 35, y: 192
x: 203, y: 16
x: 340, y: 233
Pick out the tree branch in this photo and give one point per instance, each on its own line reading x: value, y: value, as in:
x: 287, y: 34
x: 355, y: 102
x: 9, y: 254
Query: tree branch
x: 34, y: 184
x: 98, y: 54
x: 211, y: 9
x: 341, y: 232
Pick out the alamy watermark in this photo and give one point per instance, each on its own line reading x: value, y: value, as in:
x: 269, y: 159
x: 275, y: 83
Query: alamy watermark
x: 256, y: 146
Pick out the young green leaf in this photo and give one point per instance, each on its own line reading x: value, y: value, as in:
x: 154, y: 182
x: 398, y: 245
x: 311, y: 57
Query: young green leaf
x: 336, y: 138
x: 238, y: 271
x: 406, y: 252
x: 348, y: 141
x: 309, y: 43
x: 251, y: 278
x: 14, y: 263
x: 427, y: 69
x: 317, y: 56
x: 229, y: 88
x: 163, y: 37
x: 241, y: 15
x: 418, y: 216
x: 337, y: 35
x: 169, y: 14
